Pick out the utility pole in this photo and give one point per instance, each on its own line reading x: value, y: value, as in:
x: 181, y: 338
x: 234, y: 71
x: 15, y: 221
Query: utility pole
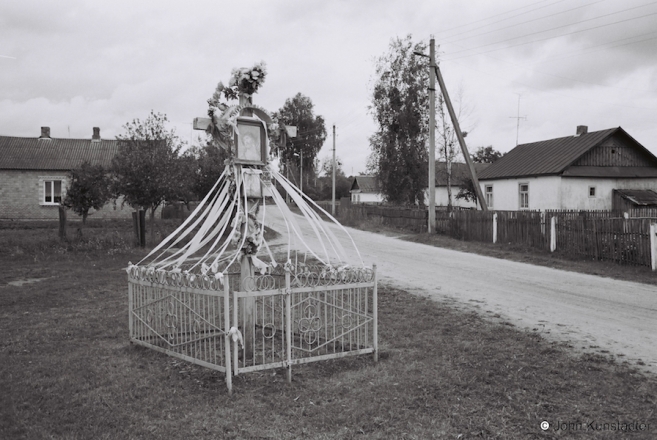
x: 301, y: 173
x: 459, y: 135
x: 333, y: 187
x: 432, y: 138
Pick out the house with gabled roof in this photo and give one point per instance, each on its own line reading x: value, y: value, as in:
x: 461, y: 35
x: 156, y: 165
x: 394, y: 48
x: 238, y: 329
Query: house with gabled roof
x: 34, y: 174
x: 366, y: 189
x: 577, y: 172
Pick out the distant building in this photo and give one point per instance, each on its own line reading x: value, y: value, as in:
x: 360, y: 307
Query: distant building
x: 34, y: 174
x: 366, y: 189
x: 580, y: 172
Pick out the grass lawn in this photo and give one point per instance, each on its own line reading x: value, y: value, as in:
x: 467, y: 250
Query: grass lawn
x: 67, y: 371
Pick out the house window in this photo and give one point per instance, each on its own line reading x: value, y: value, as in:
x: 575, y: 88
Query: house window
x: 524, y: 195
x: 591, y: 191
x: 52, y: 192
x: 489, y: 196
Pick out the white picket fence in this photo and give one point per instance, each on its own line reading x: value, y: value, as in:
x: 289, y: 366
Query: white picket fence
x: 289, y: 317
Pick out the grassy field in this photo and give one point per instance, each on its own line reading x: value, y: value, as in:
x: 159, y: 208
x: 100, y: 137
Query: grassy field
x: 67, y: 371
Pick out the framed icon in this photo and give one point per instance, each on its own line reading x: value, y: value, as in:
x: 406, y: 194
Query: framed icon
x: 252, y: 184
x: 250, y: 141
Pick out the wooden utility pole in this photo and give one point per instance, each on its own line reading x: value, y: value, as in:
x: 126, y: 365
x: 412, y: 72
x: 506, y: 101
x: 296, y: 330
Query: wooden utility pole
x: 459, y: 135
x: 333, y: 187
x: 432, y: 138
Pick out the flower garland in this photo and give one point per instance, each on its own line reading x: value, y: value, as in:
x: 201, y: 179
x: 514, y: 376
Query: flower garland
x: 245, y: 81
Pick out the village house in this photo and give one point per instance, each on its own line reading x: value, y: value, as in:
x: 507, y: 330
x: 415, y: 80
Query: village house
x: 587, y: 171
x: 366, y: 189
x: 34, y: 174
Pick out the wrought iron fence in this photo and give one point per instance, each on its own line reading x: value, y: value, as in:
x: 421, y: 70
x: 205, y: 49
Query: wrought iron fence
x: 290, y: 316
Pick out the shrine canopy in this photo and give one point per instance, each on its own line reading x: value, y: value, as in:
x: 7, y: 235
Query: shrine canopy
x: 227, y: 226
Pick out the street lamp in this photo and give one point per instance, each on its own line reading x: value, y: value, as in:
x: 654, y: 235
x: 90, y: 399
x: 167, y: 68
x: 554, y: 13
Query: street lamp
x: 301, y: 171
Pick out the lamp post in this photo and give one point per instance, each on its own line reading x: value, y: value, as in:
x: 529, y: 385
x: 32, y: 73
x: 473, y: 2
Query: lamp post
x: 301, y: 169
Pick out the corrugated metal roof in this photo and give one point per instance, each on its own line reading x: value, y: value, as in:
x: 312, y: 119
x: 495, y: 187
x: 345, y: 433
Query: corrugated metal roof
x: 460, y: 172
x: 366, y: 184
x: 639, y: 197
x: 17, y: 153
x: 552, y: 156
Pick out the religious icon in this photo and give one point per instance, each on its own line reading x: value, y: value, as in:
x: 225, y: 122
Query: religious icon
x: 251, y: 141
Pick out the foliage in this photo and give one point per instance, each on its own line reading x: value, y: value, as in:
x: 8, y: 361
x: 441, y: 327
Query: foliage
x: 89, y: 189
x: 206, y: 163
x: 486, y: 155
x: 311, y: 134
x: 467, y: 191
x: 399, y: 106
x: 147, y: 169
x: 325, y: 181
x: 482, y: 155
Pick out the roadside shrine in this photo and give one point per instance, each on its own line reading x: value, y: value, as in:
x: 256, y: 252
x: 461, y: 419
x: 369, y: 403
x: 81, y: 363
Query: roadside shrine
x: 213, y: 293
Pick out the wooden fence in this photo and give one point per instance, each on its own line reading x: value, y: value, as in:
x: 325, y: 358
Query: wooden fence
x: 599, y: 235
x: 622, y: 240
x: 616, y: 236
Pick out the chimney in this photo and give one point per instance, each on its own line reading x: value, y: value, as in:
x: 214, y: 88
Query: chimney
x: 45, y: 133
x: 582, y: 129
x: 96, y: 135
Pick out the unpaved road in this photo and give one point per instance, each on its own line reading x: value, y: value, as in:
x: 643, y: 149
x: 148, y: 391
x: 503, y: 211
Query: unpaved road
x: 592, y: 313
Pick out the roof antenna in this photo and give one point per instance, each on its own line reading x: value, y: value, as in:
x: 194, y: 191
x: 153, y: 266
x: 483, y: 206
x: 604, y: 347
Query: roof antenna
x: 518, y: 118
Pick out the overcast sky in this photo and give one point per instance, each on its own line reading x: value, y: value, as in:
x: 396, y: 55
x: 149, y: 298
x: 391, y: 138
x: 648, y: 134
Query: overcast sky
x: 73, y: 65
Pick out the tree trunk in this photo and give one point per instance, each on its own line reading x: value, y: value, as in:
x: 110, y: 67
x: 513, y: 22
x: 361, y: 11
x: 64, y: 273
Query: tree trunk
x: 62, y: 223
x: 153, y: 225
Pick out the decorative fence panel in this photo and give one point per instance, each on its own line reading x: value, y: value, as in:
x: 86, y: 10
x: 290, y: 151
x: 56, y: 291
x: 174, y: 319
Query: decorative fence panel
x: 276, y: 320
x: 314, y: 315
x: 182, y: 317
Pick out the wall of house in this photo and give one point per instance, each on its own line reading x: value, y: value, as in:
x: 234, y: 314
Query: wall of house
x: 575, y: 191
x: 543, y: 193
x: 556, y: 192
x: 21, y: 194
x: 442, y: 198
x: 366, y: 197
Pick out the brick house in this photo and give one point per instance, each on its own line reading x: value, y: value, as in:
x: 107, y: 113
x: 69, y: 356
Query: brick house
x: 34, y: 174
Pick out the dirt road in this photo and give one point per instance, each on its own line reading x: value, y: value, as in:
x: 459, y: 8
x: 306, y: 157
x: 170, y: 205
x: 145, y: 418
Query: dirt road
x: 592, y: 313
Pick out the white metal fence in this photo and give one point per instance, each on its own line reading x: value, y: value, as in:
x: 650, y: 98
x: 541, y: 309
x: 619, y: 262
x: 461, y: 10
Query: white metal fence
x: 291, y: 316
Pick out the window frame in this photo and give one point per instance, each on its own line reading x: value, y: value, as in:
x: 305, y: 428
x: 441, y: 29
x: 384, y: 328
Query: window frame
x: 49, y: 183
x: 522, y: 193
x: 488, y: 195
x: 594, y: 195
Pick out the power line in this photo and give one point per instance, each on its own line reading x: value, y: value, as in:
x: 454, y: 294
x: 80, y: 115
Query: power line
x: 554, y: 93
x: 525, y: 22
x: 503, y: 13
x: 599, y: 47
x: 542, y: 39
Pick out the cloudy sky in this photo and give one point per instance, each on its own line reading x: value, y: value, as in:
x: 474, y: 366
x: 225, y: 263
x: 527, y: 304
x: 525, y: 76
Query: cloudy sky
x: 72, y: 65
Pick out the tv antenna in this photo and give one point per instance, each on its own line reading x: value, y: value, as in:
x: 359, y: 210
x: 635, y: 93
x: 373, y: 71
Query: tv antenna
x: 518, y: 118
